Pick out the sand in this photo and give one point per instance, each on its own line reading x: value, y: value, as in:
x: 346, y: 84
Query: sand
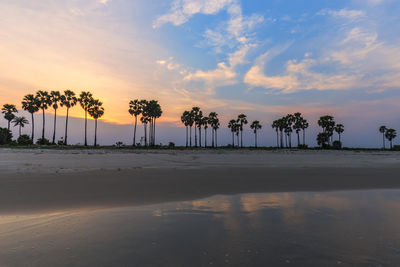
x: 33, y: 181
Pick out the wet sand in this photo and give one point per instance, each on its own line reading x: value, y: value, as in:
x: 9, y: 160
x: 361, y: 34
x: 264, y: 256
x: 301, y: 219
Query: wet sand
x: 45, y: 180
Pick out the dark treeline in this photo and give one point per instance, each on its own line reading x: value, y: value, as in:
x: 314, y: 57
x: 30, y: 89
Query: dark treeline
x: 149, y: 111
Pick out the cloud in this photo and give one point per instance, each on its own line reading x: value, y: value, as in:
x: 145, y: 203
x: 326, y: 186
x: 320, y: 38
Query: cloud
x: 349, y: 14
x: 182, y: 10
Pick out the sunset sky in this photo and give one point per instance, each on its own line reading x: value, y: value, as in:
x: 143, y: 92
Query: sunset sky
x: 262, y: 58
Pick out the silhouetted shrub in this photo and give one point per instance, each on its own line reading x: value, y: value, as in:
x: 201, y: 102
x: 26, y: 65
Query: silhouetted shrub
x: 119, y: 144
x: 43, y: 142
x: 171, y: 144
x: 5, y: 136
x: 396, y: 147
x: 24, y: 140
x: 303, y: 146
x: 337, y: 144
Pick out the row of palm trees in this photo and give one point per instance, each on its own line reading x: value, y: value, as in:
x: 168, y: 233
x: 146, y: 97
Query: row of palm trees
x: 237, y: 126
x: 149, y: 111
x: 389, y: 134
x: 285, y: 126
x: 43, y: 100
x: 329, y: 126
x: 195, y: 118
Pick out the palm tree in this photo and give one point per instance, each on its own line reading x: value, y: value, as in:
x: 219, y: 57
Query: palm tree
x: 205, y: 124
x: 382, y: 130
x: 185, y: 121
x: 297, y: 124
x: 30, y: 104
x: 55, y: 98
x: 213, y: 121
x: 255, y: 126
x: 190, y: 122
x: 339, y: 128
x: 96, y: 111
x: 20, y: 121
x: 68, y: 100
x: 135, y: 109
x: 232, y: 125
x: 390, y: 135
x: 304, y: 126
x: 327, y: 124
x: 43, y: 99
x: 215, y: 125
x: 8, y: 110
x: 275, y: 125
x: 86, y: 101
x: 154, y: 112
x: 242, y: 120
x: 197, y: 114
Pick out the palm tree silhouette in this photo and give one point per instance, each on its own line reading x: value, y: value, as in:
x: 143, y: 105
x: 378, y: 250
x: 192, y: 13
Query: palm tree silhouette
x: 242, y: 120
x: 20, y: 121
x: 232, y: 125
x: 197, y: 114
x: 43, y: 99
x: 304, y: 126
x: 30, y: 104
x: 275, y: 125
x: 185, y: 121
x: 154, y: 112
x: 213, y: 120
x: 382, y: 130
x: 327, y: 124
x: 55, y: 98
x: 96, y: 111
x: 390, y: 135
x: 339, y: 128
x: 135, y: 109
x: 297, y: 124
x: 205, y: 124
x: 215, y: 126
x: 8, y: 110
x: 68, y: 100
x: 86, y: 101
x: 255, y: 126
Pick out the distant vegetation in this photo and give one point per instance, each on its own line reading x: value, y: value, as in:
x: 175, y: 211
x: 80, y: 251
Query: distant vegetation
x: 147, y: 112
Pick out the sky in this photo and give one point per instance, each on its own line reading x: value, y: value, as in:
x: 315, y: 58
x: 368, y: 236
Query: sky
x: 262, y: 58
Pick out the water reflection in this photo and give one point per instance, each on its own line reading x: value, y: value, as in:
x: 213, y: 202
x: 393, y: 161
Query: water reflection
x: 358, y: 228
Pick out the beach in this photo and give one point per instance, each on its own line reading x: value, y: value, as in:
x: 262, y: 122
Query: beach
x: 51, y: 180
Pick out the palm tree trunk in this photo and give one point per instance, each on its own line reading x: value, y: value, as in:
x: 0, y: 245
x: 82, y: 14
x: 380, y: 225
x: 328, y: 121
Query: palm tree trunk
x: 85, y: 127
x: 281, y: 138
x: 95, y: 132
x: 298, y: 139
x: 233, y: 139
x: 145, y: 134
x: 391, y: 144
x: 66, y: 128
x: 241, y: 138
x: 384, y: 145
x: 134, y: 132
x: 195, y: 135
x: 205, y: 137
x: 255, y: 138
x: 199, y: 135
x: 216, y: 140
x: 212, y: 136
x: 8, y: 127
x: 33, y: 127
x: 20, y: 129
x: 277, y: 138
x: 304, y: 137
x: 55, y: 124
x: 340, y: 139
x: 238, y: 140
x: 44, y: 124
x: 190, y: 136
x: 154, y: 132
x: 187, y: 136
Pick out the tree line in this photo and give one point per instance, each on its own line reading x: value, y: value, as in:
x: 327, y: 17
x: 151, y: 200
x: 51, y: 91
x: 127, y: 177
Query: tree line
x: 149, y: 111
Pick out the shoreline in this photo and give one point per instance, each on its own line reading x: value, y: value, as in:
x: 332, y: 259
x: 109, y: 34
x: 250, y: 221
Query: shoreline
x: 47, y: 181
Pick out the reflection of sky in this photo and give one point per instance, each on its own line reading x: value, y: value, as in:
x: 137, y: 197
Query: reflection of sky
x: 264, y: 58
x: 308, y: 229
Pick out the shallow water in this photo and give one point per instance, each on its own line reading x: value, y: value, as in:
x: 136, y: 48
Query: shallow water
x: 354, y: 228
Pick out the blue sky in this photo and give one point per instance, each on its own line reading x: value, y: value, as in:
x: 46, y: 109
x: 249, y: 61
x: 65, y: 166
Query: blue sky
x: 263, y: 58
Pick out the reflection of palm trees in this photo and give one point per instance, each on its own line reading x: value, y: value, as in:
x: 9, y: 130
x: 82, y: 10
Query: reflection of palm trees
x: 390, y: 135
x: 54, y: 99
x: 68, y: 100
x: 96, y: 111
x: 8, y: 110
x: 86, y: 101
x: 382, y: 130
x: 20, y: 121
x: 135, y: 109
x: 255, y: 126
x: 43, y: 100
x: 30, y: 104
